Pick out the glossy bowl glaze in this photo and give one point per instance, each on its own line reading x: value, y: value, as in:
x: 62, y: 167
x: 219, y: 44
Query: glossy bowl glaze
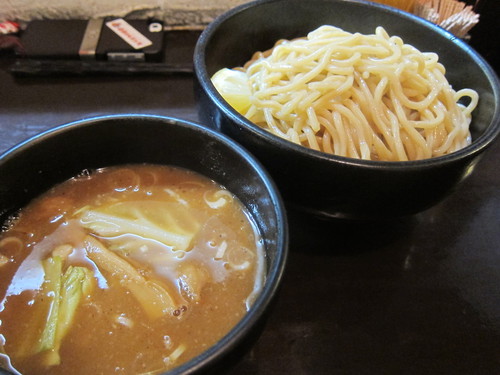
x: 34, y: 166
x: 330, y: 185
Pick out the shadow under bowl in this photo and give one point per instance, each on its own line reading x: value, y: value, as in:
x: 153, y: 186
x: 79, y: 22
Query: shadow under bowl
x: 330, y: 185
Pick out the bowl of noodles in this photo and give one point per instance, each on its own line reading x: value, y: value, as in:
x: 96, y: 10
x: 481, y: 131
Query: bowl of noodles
x: 358, y: 110
x: 156, y: 242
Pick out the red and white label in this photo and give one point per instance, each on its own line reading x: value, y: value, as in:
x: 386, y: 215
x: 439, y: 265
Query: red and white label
x: 129, y: 33
x: 9, y: 27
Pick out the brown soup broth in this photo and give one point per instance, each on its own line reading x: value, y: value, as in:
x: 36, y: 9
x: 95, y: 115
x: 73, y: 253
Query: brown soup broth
x: 132, y: 232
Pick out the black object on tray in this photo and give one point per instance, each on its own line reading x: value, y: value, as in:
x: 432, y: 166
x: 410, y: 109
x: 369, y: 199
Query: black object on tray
x: 111, y: 39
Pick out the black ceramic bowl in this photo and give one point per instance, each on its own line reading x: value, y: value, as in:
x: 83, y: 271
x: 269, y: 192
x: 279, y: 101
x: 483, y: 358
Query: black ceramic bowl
x: 34, y: 166
x: 326, y: 184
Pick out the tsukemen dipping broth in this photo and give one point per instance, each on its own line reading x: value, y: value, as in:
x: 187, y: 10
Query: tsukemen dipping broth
x: 130, y: 270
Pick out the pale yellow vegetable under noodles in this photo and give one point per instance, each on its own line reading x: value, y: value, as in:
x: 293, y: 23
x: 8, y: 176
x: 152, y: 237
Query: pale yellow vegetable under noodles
x: 361, y: 96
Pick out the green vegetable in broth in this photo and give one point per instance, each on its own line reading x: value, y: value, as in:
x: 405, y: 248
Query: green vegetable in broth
x: 76, y: 283
x: 64, y: 291
x: 52, y: 289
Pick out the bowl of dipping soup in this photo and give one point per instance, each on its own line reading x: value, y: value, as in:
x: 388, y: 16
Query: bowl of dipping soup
x: 133, y: 243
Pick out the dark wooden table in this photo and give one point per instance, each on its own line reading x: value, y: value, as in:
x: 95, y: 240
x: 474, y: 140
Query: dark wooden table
x: 419, y: 295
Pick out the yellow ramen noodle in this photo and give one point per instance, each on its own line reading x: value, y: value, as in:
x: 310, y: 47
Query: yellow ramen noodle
x: 361, y: 96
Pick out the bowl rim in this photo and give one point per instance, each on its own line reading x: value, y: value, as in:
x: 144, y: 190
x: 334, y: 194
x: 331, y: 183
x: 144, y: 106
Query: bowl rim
x: 477, y: 145
x: 275, y: 271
